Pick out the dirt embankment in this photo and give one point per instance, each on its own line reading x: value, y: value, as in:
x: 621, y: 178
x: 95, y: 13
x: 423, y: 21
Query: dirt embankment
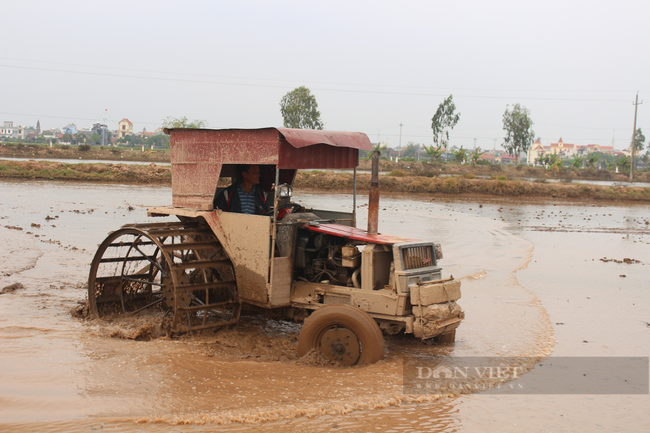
x: 39, y: 151
x: 522, y: 172
x: 403, y: 177
x: 455, y: 185
x: 109, y: 172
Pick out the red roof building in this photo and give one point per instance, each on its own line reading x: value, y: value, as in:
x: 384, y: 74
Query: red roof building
x: 124, y: 128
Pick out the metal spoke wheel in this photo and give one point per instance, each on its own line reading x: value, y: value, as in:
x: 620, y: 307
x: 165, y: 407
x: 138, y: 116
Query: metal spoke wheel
x: 179, y: 268
x: 342, y: 333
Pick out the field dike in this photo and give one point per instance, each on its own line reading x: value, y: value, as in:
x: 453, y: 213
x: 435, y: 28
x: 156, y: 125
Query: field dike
x: 421, y: 179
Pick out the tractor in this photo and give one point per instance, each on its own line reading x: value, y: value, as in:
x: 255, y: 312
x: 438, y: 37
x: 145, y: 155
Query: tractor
x: 347, y: 285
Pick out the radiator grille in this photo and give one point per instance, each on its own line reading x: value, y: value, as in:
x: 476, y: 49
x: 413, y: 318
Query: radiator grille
x: 417, y: 257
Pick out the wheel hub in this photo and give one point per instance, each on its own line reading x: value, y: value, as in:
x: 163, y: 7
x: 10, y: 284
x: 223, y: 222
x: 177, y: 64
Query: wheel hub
x: 340, y: 344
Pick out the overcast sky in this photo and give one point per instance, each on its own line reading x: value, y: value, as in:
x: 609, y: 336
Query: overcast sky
x: 371, y: 65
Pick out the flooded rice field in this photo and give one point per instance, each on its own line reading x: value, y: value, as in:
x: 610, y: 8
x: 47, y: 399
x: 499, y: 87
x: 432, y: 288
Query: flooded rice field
x: 538, y: 279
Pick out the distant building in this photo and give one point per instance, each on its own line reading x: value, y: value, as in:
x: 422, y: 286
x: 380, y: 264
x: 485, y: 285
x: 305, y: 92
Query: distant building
x: 70, y: 129
x: 591, y: 148
x: 9, y: 130
x: 27, y: 132
x: 535, y: 152
x: 565, y: 150
x: 145, y: 134
x: 488, y: 157
x: 506, y: 158
x: 124, y: 128
x: 102, y: 131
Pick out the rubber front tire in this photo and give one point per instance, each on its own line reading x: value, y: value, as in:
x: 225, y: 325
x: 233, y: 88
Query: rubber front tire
x: 339, y: 319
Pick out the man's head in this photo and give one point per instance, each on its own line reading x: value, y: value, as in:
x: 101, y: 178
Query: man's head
x: 248, y: 174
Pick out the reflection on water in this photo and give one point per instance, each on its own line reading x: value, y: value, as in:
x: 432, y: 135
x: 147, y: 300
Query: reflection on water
x: 533, y: 281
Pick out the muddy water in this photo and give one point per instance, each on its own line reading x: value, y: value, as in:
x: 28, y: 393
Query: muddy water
x: 533, y: 284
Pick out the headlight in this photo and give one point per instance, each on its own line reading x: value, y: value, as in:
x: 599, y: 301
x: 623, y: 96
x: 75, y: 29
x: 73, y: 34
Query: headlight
x: 438, y: 248
x: 285, y: 190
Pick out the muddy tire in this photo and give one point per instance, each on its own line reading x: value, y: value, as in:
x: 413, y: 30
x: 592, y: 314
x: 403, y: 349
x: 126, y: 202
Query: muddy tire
x: 344, y: 334
x: 447, y: 338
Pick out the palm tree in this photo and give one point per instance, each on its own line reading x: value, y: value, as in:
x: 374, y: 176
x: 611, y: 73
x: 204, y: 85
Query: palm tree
x: 623, y: 162
x: 460, y: 155
x: 576, y: 162
x: 555, y: 162
x: 380, y: 147
x: 475, y: 156
x: 434, y: 152
x: 592, y: 160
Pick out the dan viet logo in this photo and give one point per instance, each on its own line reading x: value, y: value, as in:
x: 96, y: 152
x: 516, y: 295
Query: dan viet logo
x: 524, y: 375
x: 484, y: 372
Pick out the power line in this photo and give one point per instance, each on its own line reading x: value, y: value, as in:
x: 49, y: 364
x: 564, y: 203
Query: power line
x: 375, y: 92
x: 315, y: 82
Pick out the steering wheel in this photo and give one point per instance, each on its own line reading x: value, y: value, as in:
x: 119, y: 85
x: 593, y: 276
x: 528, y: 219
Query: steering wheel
x: 286, y: 209
x: 295, y: 207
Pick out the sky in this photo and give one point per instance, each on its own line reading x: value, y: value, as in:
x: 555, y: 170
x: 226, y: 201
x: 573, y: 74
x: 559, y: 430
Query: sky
x: 371, y: 65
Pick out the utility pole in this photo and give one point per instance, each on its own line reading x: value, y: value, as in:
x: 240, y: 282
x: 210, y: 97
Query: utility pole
x: 399, y: 148
x: 636, y: 105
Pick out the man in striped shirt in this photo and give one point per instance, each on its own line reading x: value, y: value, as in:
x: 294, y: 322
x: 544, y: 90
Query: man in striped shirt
x: 245, y: 195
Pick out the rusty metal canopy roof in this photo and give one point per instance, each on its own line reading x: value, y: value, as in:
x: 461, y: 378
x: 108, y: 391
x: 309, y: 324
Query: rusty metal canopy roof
x: 308, y: 137
x: 299, y: 138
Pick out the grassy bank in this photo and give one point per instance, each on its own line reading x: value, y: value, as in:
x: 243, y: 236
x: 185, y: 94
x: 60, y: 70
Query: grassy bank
x: 406, y: 183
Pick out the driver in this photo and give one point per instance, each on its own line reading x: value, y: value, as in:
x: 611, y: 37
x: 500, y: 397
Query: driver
x: 244, y: 195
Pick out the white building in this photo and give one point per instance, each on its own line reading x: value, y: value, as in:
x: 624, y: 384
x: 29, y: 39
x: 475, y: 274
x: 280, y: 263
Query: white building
x: 9, y: 130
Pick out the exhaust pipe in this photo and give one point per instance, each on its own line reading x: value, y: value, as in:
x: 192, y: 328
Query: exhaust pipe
x: 373, y: 198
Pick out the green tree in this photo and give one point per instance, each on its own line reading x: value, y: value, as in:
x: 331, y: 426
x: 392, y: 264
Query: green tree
x: 132, y: 140
x: 95, y: 138
x: 475, y: 156
x: 183, y: 122
x: 639, y: 140
x: 434, y: 152
x: 555, y: 162
x: 80, y: 138
x: 577, y: 161
x: 460, y: 155
x: 623, y: 162
x: 158, y: 141
x: 519, y: 129
x: 411, y: 150
x: 381, y: 148
x: 66, y: 138
x: 444, y: 121
x: 592, y: 159
x: 299, y: 110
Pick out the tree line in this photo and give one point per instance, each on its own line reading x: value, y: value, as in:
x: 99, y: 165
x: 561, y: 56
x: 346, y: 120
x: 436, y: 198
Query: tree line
x: 299, y: 109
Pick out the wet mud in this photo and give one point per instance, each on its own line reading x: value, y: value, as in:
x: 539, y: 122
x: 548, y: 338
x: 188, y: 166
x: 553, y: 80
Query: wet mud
x: 537, y: 280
